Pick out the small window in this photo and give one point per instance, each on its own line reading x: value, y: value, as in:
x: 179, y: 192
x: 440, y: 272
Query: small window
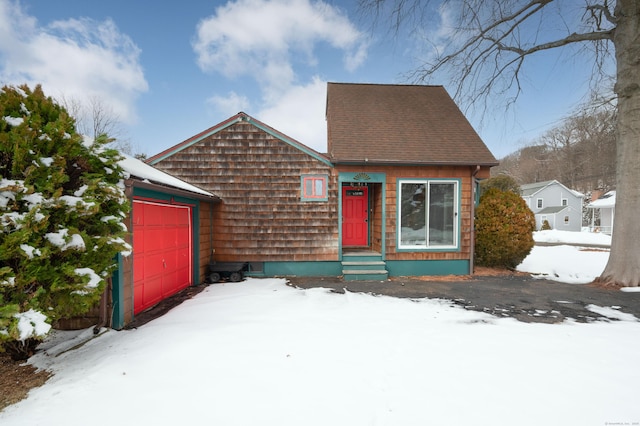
x: 314, y: 188
x: 566, y: 220
x: 539, y: 203
x: 565, y: 202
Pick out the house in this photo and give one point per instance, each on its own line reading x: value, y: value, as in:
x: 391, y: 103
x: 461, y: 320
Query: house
x: 170, y: 226
x: 555, y: 203
x: 394, y: 195
x: 603, y: 211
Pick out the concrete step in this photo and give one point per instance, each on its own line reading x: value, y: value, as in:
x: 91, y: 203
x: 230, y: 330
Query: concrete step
x: 365, y: 274
x: 365, y: 265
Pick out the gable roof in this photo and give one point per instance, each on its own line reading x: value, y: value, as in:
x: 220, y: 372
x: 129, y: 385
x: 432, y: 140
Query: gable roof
x: 400, y: 124
x: 239, y: 117
x: 529, y: 189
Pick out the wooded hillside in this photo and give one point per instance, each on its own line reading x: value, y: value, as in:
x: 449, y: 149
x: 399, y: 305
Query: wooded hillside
x: 580, y: 153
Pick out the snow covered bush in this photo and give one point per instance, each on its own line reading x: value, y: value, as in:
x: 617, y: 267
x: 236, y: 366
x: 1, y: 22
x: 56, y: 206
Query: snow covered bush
x: 62, y: 205
x: 504, y: 229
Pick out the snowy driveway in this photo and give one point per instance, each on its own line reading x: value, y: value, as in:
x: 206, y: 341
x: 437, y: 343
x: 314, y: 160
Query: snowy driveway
x: 260, y: 352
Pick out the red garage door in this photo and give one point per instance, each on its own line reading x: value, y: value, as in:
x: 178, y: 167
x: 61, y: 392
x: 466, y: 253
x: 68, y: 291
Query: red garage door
x: 162, y: 252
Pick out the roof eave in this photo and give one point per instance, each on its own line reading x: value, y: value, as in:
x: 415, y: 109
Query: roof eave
x: 361, y: 162
x: 146, y: 184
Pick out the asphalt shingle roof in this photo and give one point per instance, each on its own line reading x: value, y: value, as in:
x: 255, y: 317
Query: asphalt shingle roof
x: 400, y: 124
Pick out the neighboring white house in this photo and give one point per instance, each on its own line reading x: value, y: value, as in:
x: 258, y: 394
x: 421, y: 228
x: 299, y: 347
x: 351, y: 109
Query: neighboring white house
x: 555, y: 203
x: 606, y: 206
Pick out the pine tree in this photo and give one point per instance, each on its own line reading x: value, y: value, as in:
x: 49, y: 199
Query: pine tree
x: 62, y: 205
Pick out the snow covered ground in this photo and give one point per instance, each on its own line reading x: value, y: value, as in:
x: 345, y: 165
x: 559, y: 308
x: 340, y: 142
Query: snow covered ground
x: 260, y: 352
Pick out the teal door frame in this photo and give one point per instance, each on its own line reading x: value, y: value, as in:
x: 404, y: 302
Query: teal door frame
x: 362, y: 177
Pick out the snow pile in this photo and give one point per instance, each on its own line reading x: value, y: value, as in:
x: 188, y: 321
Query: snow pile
x: 32, y: 324
x: 262, y: 353
x: 567, y: 264
x: 574, y: 264
x: 586, y: 238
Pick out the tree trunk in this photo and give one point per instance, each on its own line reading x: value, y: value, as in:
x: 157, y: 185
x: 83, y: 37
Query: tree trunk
x: 623, y: 267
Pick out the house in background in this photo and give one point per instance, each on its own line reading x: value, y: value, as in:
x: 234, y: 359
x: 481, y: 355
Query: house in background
x: 394, y: 195
x: 555, y: 203
x: 603, y: 211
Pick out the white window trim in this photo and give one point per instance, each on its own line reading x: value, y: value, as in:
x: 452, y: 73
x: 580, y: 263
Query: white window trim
x: 456, y: 216
x: 540, y: 203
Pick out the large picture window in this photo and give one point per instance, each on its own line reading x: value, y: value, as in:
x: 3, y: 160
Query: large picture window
x: 428, y: 212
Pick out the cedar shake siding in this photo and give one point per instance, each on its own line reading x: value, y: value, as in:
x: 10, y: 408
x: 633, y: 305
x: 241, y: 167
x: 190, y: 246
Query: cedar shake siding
x: 257, y: 173
x: 400, y: 178
x: 467, y: 182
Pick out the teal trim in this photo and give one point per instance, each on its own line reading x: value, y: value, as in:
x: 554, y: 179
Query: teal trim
x: 162, y: 196
x: 404, y: 268
x: 151, y: 195
x: 345, y: 177
x: 195, y: 232
x: 117, y: 295
x: 242, y: 117
x: 288, y: 141
x: 436, y: 249
x: 213, y: 130
x: 302, y: 269
x: 349, y: 177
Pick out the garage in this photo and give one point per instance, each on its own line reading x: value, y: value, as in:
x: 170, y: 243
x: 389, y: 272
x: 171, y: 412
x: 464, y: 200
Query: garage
x: 170, y: 231
x: 163, y: 251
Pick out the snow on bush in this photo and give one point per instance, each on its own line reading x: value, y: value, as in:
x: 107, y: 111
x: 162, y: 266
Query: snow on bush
x: 56, y: 249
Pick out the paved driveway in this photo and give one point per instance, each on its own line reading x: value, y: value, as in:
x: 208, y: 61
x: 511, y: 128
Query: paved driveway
x: 518, y: 296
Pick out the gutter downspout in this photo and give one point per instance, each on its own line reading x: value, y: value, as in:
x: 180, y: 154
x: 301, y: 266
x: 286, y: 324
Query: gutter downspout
x: 473, y: 221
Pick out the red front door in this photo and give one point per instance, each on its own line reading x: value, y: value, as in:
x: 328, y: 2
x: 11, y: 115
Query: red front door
x: 355, y: 216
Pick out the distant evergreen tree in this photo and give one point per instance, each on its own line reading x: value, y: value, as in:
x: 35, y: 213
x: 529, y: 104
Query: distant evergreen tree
x: 62, y: 205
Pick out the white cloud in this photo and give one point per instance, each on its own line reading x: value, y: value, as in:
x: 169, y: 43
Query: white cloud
x: 231, y: 104
x: 75, y: 59
x: 300, y: 114
x: 268, y: 41
x: 260, y: 37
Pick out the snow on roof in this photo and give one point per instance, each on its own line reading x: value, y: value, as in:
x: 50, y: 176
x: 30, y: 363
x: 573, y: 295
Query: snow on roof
x: 529, y: 189
x: 141, y: 170
x: 552, y: 210
x: 608, y: 200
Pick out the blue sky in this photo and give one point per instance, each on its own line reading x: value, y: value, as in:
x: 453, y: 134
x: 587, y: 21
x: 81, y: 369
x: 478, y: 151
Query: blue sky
x: 170, y: 69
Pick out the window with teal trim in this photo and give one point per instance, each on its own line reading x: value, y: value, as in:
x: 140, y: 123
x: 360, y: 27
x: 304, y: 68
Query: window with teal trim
x: 428, y: 214
x: 314, y: 187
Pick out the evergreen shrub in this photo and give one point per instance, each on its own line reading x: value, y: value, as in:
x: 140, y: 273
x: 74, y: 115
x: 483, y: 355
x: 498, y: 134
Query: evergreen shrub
x: 545, y: 225
x: 62, y: 205
x: 504, y: 229
x: 501, y: 182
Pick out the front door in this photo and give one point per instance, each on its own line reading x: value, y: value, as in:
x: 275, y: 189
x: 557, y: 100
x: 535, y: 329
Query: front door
x: 355, y: 216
